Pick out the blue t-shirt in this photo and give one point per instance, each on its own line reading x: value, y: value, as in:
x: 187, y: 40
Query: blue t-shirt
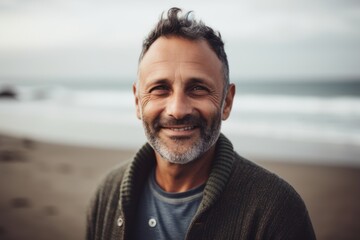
x: 164, y: 215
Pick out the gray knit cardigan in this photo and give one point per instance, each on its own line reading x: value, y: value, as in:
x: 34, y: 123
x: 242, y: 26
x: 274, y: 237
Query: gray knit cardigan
x: 241, y: 201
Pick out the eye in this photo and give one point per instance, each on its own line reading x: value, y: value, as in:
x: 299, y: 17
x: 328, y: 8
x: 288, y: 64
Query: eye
x: 159, y: 90
x: 199, y: 90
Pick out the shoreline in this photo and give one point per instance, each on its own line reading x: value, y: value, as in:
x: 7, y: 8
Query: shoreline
x: 46, y: 188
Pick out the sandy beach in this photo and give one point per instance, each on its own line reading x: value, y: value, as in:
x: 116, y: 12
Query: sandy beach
x: 45, y: 190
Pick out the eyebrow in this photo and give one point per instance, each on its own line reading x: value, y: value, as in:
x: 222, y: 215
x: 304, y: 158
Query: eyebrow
x: 158, y: 81
x: 197, y: 80
x: 191, y: 81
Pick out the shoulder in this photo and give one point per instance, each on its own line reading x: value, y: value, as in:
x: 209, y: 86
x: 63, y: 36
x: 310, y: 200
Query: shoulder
x: 272, y: 198
x: 263, y: 188
x: 108, y: 191
x: 112, y: 180
x: 259, y: 178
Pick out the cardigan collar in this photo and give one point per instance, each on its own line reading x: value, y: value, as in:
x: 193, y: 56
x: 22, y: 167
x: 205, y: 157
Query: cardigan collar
x: 144, y: 160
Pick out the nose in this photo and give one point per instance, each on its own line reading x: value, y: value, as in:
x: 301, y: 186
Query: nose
x: 178, y: 105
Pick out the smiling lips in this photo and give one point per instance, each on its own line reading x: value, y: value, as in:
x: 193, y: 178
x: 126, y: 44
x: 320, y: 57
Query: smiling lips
x: 180, y: 130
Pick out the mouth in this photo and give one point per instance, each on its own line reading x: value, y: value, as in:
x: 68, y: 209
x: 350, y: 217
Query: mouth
x: 179, y: 130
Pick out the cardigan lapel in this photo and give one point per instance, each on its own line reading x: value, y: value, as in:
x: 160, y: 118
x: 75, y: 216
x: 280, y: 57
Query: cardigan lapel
x: 135, y: 175
x: 220, y: 173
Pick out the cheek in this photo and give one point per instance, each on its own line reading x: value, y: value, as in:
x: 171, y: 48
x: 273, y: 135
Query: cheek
x: 213, y: 103
x: 150, y: 108
x: 208, y: 109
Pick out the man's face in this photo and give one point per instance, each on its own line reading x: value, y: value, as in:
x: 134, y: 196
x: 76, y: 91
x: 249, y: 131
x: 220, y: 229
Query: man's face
x: 179, y: 97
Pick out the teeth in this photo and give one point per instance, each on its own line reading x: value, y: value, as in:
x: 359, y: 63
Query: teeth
x: 182, y: 129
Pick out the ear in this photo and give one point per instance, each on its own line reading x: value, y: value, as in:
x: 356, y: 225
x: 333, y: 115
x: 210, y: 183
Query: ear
x: 136, y: 101
x: 228, y: 102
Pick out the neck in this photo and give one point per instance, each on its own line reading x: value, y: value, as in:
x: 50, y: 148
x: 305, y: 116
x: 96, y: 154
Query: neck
x: 173, y: 177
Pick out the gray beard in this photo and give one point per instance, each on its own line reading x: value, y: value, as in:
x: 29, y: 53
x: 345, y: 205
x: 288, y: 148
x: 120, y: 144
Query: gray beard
x: 208, y: 137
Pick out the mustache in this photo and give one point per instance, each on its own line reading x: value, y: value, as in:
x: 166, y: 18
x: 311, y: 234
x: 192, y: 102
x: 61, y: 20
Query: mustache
x: 170, y: 121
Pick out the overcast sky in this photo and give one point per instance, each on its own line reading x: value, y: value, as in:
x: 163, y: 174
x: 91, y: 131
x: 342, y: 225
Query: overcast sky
x: 88, y: 39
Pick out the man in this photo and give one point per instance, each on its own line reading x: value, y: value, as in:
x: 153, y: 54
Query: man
x: 187, y: 182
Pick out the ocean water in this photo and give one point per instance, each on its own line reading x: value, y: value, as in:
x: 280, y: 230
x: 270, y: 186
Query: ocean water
x: 299, y: 121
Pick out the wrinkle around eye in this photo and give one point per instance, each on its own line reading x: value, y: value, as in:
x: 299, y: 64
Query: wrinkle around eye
x: 216, y: 98
x: 146, y: 97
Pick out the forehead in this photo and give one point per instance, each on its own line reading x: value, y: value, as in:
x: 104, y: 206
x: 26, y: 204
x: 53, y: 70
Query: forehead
x: 171, y: 55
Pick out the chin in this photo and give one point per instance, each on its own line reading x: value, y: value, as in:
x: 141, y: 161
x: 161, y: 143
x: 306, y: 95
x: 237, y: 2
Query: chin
x: 181, y: 154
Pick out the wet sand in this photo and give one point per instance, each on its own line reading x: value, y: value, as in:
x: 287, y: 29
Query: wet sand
x: 45, y: 189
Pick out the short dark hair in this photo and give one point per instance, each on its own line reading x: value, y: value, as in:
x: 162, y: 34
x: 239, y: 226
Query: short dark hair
x: 187, y: 27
